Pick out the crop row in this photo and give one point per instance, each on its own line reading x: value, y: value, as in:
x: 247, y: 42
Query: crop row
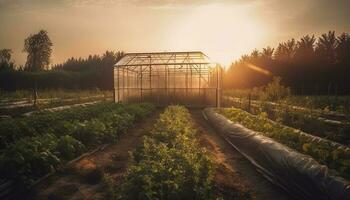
x: 306, y: 120
x: 16, y: 109
x: 326, y: 104
x: 36, y: 145
x: 13, y: 129
x: 25, y: 95
x: 170, y: 164
x: 335, y: 156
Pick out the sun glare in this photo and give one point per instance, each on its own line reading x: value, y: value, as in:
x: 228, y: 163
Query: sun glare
x: 224, y: 33
x: 258, y: 69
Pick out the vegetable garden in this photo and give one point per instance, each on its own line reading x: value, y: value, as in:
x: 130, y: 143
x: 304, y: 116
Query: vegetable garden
x: 170, y: 162
x: 327, y: 125
x: 33, y: 146
x: 18, y: 103
x: 335, y: 156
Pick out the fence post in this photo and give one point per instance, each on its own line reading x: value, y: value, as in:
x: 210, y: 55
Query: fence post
x: 249, y: 102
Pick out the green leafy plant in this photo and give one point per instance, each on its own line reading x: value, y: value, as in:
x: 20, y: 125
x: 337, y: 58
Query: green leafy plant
x: 46, y: 144
x: 324, y: 151
x: 30, y: 158
x: 69, y: 147
x: 170, y: 164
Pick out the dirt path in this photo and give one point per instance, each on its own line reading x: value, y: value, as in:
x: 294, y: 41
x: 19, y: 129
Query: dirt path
x: 234, y: 170
x: 113, y: 160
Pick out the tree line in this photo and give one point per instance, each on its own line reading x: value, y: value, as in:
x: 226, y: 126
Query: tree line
x: 309, y: 65
x: 95, y: 71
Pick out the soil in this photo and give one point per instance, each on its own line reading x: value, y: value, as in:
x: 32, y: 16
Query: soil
x: 113, y: 159
x: 235, y: 177
x: 234, y: 171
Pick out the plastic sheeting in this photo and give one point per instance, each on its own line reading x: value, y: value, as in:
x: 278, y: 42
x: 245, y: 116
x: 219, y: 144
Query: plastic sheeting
x: 298, y: 174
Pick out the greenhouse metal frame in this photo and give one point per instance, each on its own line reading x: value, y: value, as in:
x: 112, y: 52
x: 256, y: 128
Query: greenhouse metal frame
x: 164, y: 78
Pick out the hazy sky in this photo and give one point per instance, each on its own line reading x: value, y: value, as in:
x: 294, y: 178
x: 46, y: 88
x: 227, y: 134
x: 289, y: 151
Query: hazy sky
x: 223, y: 29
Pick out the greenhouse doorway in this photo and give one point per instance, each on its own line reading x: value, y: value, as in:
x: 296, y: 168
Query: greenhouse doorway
x: 164, y: 78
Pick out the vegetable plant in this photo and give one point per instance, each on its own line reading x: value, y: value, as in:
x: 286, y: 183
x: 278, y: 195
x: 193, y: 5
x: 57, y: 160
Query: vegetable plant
x: 170, y: 164
x: 326, y: 152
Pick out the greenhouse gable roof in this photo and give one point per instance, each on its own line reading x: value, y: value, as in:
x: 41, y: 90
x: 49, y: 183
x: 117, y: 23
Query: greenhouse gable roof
x: 163, y: 58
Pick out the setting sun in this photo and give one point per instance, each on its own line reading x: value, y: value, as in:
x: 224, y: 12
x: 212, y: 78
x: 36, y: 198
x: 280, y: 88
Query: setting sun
x: 175, y: 99
x: 223, y: 32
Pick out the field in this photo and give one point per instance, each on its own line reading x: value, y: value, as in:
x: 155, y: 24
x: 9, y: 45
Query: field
x: 337, y: 104
x: 21, y: 102
x: 219, y: 100
x: 324, y: 116
x: 324, y: 151
x: 97, y: 149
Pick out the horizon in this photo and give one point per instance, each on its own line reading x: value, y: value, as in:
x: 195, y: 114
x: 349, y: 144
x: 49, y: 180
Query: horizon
x: 224, y: 30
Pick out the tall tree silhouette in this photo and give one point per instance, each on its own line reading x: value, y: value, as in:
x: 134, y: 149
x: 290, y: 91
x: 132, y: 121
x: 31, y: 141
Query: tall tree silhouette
x: 325, y: 47
x: 305, y: 51
x: 343, y: 48
x: 39, y: 49
x: 267, y: 53
x: 285, y: 51
x: 255, y: 54
x: 5, y: 57
x: 308, y: 65
x: 99, y: 68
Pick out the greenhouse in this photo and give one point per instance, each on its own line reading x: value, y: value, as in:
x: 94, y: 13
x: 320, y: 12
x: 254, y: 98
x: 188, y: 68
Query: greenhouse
x: 163, y: 78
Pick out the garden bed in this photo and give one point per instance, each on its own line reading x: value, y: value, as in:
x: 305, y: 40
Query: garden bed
x: 307, y: 120
x: 115, y: 164
x: 302, y: 176
x: 35, y: 145
x: 334, y: 155
x: 16, y: 109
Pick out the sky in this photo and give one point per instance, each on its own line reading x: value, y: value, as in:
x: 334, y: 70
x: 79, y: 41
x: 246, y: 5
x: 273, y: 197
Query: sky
x: 222, y: 29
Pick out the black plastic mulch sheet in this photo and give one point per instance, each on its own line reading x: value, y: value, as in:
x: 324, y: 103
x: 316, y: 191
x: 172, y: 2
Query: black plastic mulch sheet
x: 298, y: 174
